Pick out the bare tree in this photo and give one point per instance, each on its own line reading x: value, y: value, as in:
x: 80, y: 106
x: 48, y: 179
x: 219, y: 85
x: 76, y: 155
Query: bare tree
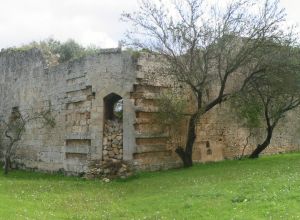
x: 13, y: 129
x: 205, y: 46
x: 269, y: 95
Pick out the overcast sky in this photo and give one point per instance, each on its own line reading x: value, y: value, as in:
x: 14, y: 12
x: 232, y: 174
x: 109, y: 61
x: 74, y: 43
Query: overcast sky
x: 87, y: 21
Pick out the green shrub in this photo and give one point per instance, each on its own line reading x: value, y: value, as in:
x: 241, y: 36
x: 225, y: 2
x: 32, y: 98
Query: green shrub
x: 61, y: 51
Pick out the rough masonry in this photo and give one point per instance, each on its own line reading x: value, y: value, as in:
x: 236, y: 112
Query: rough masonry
x: 83, y: 96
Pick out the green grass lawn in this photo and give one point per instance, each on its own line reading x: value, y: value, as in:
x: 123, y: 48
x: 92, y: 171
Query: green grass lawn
x: 267, y: 188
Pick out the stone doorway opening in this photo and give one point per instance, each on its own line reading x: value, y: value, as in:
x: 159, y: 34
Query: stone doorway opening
x: 113, y: 128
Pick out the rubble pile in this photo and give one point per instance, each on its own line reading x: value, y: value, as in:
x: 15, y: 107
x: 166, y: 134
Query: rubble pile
x: 109, y: 169
x: 113, y: 140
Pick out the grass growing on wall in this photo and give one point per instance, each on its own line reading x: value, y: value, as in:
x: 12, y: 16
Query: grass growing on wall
x: 267, y: 188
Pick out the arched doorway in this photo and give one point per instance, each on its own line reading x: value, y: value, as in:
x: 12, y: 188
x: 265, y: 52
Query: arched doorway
x: 113, y: 127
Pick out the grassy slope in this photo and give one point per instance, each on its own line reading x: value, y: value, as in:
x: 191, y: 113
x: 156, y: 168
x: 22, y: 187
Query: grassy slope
x: 267, y: 188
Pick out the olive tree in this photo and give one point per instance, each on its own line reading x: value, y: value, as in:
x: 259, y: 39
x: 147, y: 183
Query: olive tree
x: 269, y: 95
x: 171, y: 115
x: 205, y: 46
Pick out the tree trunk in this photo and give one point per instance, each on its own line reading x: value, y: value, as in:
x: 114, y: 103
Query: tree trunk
x: 187, y: 153
x: 263, y: 146
x: 6, y: 164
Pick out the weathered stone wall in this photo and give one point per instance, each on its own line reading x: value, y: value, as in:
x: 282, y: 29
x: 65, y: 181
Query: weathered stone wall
x: 220, y: 133
x: 227, y: 136
x: 76, y: 92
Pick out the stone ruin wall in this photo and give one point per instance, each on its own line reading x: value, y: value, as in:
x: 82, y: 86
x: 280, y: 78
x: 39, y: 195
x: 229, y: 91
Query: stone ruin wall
x: 83, y: 136
x: 76, y: 91
x: 220, y: 133
x: 226, y: 136
x: 22, y: 86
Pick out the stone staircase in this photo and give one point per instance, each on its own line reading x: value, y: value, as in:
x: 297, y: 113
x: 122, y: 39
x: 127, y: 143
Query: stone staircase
x: 78, y: 99
x: 151, y: 138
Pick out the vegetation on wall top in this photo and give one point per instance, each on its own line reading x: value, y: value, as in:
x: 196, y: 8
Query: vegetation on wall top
x: 56, y: 51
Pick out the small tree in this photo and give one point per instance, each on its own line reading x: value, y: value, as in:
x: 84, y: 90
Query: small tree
x: 272, y: 93
x: 12, y: 130
x: 204, y: 46
x: 171, y: 114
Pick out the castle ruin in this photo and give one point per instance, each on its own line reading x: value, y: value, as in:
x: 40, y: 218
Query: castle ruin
x: 86, y: 95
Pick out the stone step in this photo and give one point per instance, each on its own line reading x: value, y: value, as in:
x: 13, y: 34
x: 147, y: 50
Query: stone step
x: 150, y: 136
x: 146, y: 102
x: 144, y: 95
x: 143, y: 121
x: 73, y: 157
x: 84, y: 149
x: 76, y: 76
x: 153, y: 156
x: 146, y: 109
x: 151, y: 141
x: 150, y: 128
x: 148, y: 88
x: 145, y: 117
x: 78, y: 110
x: 150, y: 148
x: 76, y: 99
x: 78, y: 136
x: 76, y: 87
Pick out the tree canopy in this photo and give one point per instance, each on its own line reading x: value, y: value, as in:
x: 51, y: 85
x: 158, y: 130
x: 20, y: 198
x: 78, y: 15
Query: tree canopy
x: 269, y: 95
x: 205, y: 46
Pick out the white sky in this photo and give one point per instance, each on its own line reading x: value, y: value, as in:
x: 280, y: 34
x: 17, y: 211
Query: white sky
x: 87, y: 21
